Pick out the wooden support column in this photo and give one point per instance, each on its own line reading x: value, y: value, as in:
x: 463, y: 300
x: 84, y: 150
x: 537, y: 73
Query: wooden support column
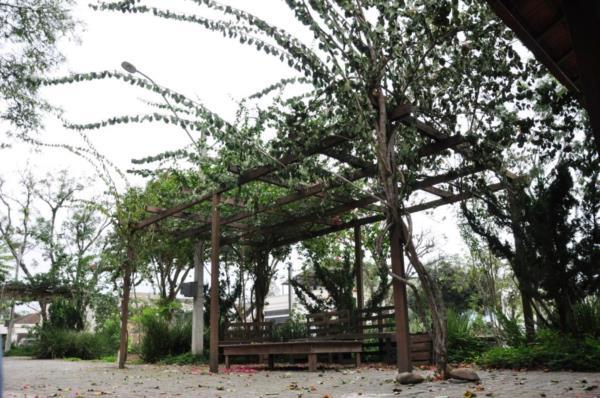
x: 358, y: 261
x: 403, y: 357
x: 214, y: 285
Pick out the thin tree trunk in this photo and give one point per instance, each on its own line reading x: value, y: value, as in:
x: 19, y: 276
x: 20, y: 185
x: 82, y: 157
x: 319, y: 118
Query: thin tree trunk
x: 11, y: 328
x: 11, y: 323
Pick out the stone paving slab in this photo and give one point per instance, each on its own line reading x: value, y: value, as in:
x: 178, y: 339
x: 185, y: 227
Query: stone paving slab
x: 55, y: 378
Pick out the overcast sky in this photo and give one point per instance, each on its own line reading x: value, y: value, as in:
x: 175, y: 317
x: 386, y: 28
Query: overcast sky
x: 183, y: 57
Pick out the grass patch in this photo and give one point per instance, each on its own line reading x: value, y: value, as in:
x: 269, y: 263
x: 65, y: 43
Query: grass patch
x: 184, y: 359
x: 109, y: 359
x: 550, y: 351
x: 25, y: 351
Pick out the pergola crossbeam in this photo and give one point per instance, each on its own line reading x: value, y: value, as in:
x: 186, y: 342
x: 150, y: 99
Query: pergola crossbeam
x: 380, y: 217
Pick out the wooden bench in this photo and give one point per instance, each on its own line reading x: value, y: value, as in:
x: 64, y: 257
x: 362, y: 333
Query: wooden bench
x: 309, y: 347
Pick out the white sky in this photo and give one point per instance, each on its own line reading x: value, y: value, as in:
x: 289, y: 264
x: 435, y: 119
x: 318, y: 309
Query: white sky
x: 183, y: 57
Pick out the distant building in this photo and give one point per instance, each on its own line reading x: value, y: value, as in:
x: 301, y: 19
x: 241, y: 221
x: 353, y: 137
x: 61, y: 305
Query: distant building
x: 23, y: 325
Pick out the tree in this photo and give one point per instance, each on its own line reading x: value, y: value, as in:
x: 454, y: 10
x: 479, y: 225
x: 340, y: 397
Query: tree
x: 552, y: 256
x: 29, y: 31
x: 338, y: 279
x: 263, y: 268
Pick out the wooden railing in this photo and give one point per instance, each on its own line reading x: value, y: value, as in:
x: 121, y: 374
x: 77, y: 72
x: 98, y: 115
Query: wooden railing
x: 244, y: 332
x: 375, y: 327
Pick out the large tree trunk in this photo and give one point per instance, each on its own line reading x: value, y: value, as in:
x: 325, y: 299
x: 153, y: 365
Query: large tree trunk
x: 519, y: 263
x: 124, y: 337
x: 566, y: 317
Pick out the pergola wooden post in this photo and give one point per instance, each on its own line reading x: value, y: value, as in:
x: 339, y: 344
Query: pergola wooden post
x: 403, y: 357
x: 358, y: 261
x: 214, y: 285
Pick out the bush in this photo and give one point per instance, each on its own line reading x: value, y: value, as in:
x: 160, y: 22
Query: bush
x: 550, y: 350
x: 294, y: 328
x: 20, y: 351
x: 511, y: 331
x: 64, y: 343
x: 463, y: 343
x: 162, y: 338
x: 587, y: 316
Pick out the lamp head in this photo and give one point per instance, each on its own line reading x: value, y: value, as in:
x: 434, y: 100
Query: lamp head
x: 128, y: 67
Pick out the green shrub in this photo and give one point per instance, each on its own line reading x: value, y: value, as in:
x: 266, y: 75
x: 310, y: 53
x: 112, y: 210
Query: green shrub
x: 463, y: 343
x: 162, y: 338
x: 63, y: 343
x: 21, y: 351
x: 587, y: 316
x: 294, y: 328
x: 511, y: 331
x: 550, y: 350
x: 62, y: 314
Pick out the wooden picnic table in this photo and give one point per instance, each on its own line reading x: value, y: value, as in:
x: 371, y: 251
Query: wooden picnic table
x: 310, y: 347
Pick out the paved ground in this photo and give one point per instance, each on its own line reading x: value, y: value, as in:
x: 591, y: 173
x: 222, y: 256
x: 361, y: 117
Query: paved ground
x: 38, y: 378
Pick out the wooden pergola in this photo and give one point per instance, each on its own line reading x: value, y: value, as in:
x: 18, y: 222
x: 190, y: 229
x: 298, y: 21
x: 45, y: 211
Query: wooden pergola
x: 232, y: 222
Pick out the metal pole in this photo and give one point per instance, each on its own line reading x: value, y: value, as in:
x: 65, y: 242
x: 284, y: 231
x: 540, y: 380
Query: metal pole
x: 358, y: 259
x: 198, y: 311
x: 290, y: 291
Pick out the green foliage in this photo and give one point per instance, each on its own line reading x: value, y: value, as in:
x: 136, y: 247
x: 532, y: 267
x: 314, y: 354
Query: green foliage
x: 63, y: 315
x: 294, y: 328
x: 463, y: 343
x: 334, y: 274
x: 5, y: 262
x: 162, y: 338
x: 184, y: 359
x: 29, y: 33
x: 456, y: 284
x: 511, y: 331
x: 21, y: 351
x: 587, y: 316
x: 62, y: 343
x: 551, y: 350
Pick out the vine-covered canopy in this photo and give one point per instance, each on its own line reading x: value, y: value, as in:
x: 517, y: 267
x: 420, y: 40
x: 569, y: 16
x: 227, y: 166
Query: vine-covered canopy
x: 260, y: 208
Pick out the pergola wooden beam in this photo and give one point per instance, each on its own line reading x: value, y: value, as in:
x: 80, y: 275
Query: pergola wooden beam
x: 282, y: 201
x: 379, y: 217
x: 193, y: 217
x: 244, y: 178
x: 311, y: 191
